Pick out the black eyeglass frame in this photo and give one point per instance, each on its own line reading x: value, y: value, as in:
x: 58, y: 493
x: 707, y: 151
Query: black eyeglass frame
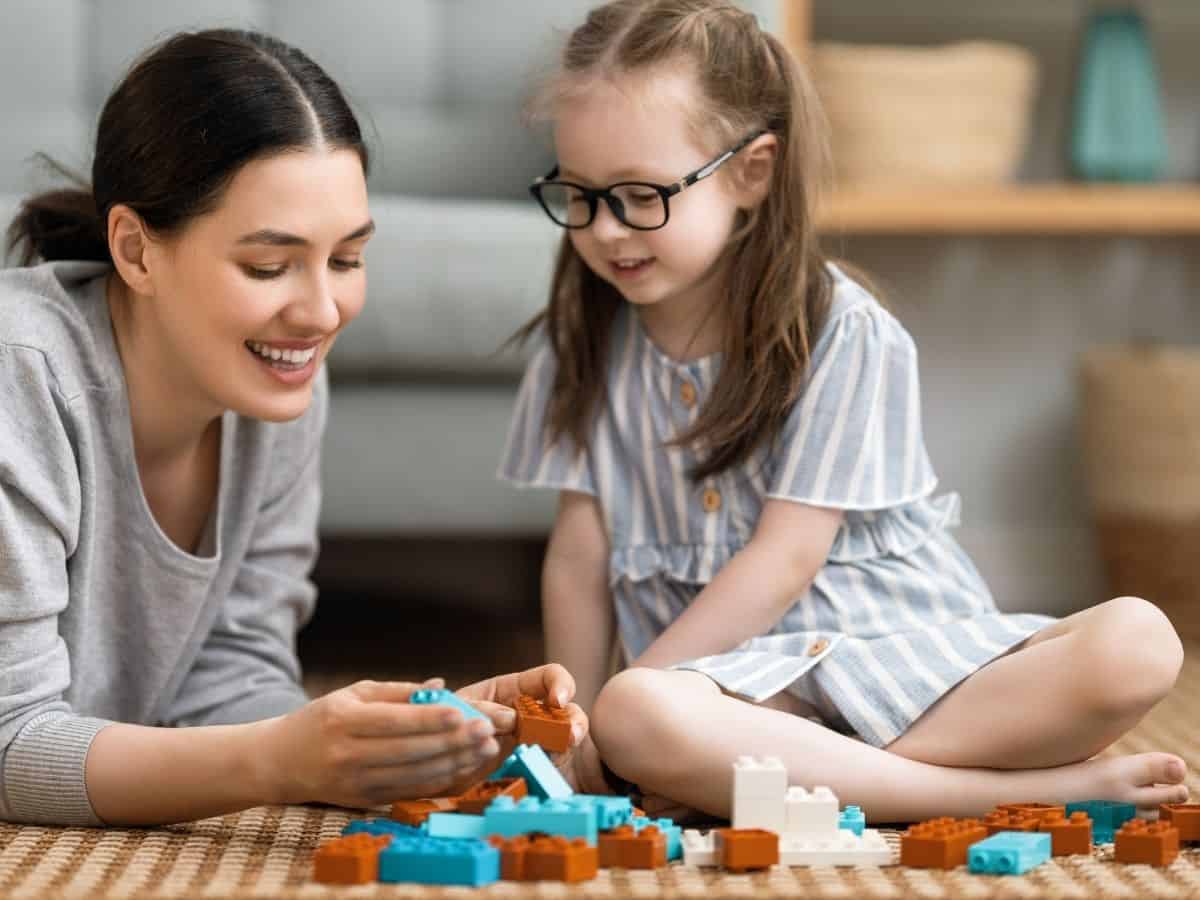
x: 616, y: 207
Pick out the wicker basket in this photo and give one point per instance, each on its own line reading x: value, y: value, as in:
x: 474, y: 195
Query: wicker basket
x: 956, y: 114
x: 1141, y: 438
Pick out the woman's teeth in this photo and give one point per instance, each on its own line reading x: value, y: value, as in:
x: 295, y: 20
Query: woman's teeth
x: 274, y: 354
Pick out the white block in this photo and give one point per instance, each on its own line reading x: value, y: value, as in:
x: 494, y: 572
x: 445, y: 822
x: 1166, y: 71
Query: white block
x: 810, y: 813
x: 845, y: 849
x: 758, y: 790
x: 699, y: 848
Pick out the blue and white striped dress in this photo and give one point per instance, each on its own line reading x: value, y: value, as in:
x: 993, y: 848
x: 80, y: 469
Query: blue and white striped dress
x: 897, y: 615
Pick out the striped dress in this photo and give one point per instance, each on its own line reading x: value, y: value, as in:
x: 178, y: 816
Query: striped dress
x: 897, y: 615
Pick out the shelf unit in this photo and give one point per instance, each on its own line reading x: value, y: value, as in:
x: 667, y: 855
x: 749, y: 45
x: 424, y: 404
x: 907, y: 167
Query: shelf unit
x: 1020, y: 208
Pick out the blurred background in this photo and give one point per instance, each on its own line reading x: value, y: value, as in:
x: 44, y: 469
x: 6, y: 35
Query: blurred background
x: 1018, y: 178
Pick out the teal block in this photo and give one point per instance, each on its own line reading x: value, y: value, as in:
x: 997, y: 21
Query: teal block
x: 852, y: 819
x: 428, y: 860
x: 670, y: 830
x: 380, y: 826
x: 569, y: 817
x: 1107, y: 817
x: 446, y: 698
x: 454, y: 825
x: 1009, y: 853
x: 529, y: 761
x: 611, y: 812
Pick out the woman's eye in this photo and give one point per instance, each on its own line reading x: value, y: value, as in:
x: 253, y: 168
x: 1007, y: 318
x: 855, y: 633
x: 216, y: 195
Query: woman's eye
x: 345, y: 265
x: 264, y: 273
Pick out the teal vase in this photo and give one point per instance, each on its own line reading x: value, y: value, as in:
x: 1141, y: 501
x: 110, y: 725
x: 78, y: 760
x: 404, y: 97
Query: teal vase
x: 1118, y: 132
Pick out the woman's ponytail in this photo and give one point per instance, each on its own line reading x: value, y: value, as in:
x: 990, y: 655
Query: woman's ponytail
x: 59, y: 224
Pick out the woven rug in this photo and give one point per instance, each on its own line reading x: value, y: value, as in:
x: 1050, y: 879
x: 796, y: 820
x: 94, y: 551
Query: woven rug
x: 266, y: 852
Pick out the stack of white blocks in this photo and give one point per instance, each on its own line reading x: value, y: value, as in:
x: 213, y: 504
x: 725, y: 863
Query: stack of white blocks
x: 806, y: 821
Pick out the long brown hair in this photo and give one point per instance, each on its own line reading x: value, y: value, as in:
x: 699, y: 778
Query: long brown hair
x: 778, y: 284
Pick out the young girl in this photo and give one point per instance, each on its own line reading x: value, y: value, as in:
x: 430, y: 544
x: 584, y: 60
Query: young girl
x: 160, y: 434
x: 734, y: 428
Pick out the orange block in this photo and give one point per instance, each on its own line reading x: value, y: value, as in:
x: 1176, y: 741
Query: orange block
x: 552, y: 858
x: 999, y: 820
x: 1152, y: 843
x: 540, y: 724
x: 742, y: 849
x: 476, y: 799
x: 414, y: 812
x: 353, y: 859
x: 1184, y: 816
x: 1068, y: 836
x: 512, y: 856
x: 940, y: 843
x: 1041, y: 810
x: 624, y: 848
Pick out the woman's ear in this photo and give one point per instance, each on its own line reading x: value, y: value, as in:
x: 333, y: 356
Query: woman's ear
x: 757, y: 166
x: 129, y: 243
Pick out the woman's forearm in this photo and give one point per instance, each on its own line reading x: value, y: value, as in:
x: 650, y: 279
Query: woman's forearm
x: 138, y: 775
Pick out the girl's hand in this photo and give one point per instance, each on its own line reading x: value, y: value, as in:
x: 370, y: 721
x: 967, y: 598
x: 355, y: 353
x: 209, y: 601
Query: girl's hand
x: 366, y: 744
x: 552, y: 684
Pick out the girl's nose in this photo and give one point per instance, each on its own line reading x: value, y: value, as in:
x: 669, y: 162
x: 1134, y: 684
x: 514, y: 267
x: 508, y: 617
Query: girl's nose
x: 606, y: 226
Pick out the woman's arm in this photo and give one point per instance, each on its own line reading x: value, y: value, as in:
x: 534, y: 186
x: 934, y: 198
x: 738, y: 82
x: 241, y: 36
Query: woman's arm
x: 755, y: 589
x: 577, y: 608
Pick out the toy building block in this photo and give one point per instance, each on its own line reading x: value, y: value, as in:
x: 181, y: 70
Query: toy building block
x: 560, y: 859
x: 1041, y: 810
x: 1068, y: 836
x: 759, y: 786
x: 427, y: 860
x: 569, y: 817
x: 1184, y: 816
x: 546, y: 726
x: 1151, y: 843
x: 626, y: 848
x: 529, y: 761
x: 699, y: 848
x: 512, y: 855
x: 940, y: 843
x: 998, y: 821
x: 1009, y: 853
x: 380, y: 826
x: 1106, y: 815
x: 353, y: 859
x: 852, y: 819
x: 415, y: 812
x: 672, y: 832
x: 610, y: 811
x: 455, y: 825
x: 442, y: 697
x: 743, y: 849
x: 479, y: 797
x: 810, y: 813
x: 843, y: 849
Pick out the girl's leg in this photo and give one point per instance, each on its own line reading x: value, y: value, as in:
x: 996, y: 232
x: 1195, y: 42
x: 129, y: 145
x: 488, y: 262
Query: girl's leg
x: 1067, y: 693
x: 676, y: 735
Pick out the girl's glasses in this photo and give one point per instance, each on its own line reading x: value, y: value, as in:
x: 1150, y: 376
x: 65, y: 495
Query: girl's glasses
x: 642, y: 205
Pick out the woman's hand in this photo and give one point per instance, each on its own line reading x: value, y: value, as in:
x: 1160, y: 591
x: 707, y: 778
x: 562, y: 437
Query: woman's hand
x: 366, y: 744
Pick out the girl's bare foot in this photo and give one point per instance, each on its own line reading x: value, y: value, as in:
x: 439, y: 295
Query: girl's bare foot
x: 1143, y: 779
x: 581, y: 768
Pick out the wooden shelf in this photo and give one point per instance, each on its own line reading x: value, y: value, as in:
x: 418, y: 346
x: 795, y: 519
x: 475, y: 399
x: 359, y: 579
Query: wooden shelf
x: 1031, y: 209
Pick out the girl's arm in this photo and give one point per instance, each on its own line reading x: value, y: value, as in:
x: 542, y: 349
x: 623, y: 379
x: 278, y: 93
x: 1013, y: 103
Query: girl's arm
x: 755, y: 589
x: 576, y: 605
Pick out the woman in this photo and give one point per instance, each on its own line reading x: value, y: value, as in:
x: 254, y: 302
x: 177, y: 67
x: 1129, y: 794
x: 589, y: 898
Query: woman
x: 159, y: 448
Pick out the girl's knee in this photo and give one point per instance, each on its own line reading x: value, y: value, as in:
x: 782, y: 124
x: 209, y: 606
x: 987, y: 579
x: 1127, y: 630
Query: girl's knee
x: 1136, y: 649
x: 632, y: 720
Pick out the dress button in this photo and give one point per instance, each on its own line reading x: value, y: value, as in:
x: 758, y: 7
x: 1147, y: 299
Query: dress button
x: 687, y: 393
x: 711, y: 499
x: 820, y: 645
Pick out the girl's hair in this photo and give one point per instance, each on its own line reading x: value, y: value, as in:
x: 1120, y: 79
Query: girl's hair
x: 778, y: 283
x: 188, y: 115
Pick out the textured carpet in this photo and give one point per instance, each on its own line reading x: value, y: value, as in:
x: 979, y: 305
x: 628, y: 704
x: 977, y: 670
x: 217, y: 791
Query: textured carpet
x: 266, y: 852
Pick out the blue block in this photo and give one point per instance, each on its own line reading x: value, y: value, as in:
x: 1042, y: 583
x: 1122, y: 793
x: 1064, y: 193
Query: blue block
x: 569, y: 817
x: 852, y: 819
x: 446, y: 698
x: 670, y: 830
x: 428, y: 860
x: 611, y: 812
x: 454, y: 825
x: 541, y: 778
x: 380, y: 826
x: 1107, y: 817
x: 1009, y: 853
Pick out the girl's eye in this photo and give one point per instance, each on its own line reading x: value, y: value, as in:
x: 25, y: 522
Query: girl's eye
x: 644, y: 198
x: 345, y: 265
x: 264, y: 273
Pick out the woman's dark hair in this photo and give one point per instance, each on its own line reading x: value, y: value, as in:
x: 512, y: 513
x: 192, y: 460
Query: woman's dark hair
x: 189, y: 114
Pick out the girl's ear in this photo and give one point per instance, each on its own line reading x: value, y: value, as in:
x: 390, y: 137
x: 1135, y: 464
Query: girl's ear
x: 757, y: 166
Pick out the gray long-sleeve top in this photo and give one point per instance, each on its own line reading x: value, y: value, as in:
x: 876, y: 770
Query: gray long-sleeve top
x: 102, y: 618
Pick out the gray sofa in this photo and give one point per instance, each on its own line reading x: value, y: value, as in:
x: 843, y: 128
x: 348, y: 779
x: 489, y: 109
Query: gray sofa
x: 461, y: 258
